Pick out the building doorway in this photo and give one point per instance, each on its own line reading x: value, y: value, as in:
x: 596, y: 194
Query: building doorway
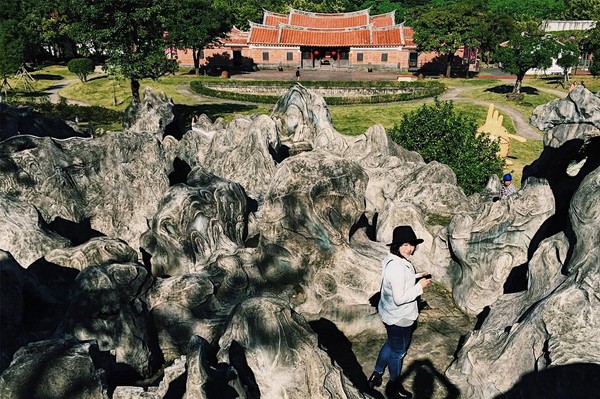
x: 324, y: 57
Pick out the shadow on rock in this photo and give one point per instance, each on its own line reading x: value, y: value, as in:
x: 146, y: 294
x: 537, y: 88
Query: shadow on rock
x: 573, y: 381
x: 339, y: 348
x: 425, y: 376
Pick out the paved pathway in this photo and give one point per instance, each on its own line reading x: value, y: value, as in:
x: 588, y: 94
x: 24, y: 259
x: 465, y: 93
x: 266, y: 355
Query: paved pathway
x: 522, y: 125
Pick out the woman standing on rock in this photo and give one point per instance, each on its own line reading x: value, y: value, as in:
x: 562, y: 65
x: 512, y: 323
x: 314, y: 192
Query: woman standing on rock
x: 398, y: 308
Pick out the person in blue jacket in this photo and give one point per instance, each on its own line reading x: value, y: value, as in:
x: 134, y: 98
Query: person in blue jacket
x: 398, y: 308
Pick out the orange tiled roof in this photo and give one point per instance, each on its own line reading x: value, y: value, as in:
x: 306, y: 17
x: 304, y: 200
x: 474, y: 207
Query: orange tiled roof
x: 314, y: 37
x: 409, y: 34
x: 366, y: 35
x: 328, y: 21
x: 235, y: 37
x: 274, y: 19
x: 383, y: 20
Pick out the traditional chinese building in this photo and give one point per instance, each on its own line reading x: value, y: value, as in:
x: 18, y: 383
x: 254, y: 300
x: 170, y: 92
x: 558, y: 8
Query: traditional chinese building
x: 316, y: 40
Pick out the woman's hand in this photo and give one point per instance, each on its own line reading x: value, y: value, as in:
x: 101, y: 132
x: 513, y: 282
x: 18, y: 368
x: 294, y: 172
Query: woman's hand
x: 425, y: 282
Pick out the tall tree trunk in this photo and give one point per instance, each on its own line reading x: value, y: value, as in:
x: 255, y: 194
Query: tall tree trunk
x: 196, y: 57
x: 449, y: 64
x: 518, y: 84
x: 135, y: 90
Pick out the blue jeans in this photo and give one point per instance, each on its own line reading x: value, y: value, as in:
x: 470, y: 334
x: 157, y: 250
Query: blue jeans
x: 394, y: 350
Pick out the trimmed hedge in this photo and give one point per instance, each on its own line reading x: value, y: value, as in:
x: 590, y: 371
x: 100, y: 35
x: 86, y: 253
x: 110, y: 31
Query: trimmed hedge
x: 423, y: 90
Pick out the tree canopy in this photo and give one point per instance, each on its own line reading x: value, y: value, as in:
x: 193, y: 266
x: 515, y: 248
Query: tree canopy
x: 439, y: 133
x: 193, y: 24
x: 129, y: 32
x: 525, y: 51
x: 444, y: 29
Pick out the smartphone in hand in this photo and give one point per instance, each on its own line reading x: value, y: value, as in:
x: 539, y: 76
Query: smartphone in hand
x: 427, y: 276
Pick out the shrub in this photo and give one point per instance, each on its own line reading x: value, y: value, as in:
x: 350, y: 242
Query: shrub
x: 81, y: 67
x: 438, y: 133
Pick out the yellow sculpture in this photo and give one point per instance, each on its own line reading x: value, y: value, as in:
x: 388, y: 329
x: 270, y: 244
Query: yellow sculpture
x: 493, y: 127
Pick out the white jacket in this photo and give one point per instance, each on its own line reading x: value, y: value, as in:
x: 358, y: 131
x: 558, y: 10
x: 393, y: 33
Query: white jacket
x: 399, y: 291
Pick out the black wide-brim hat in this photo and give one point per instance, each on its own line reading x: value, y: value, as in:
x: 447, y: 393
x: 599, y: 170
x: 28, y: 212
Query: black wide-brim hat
x: 404, y: 234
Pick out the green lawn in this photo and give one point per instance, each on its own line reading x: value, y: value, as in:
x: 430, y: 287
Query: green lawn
x: 356, y: 119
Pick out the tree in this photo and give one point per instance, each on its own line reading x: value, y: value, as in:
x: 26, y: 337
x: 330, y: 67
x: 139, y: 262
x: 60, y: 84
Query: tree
x: 440, y: 134
x: 525, y: 51
x: 47, y: 23
x: 568, y: 57
x: 12, y: 46
x: 81, y: 67
x: 193, y: 24
x: 129, y: 32
x: 582, y: 9
x: 444, y: 29
x: 524, y: 10
x: 495, y: 29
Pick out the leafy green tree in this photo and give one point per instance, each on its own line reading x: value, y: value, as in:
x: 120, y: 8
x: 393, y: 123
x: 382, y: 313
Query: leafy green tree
x: 439, y: 133
x: 48, y: 23
x: 444, y: 29
x: 81, y: 67
x: 494, y: 29
x: 193, y: 24
x: 595, y: 66
x: 525, y: 51
x: 129, y: 32
x: 582, y: 10
x: 12, y: 48
x: 568, y: 57
x: 530, y: 9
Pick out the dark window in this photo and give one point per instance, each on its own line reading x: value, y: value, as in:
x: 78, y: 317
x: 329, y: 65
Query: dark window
x: 290, y: 56
x: 412, y: 60
x: 359, y: 57
x: 384, y: 57
x: 265, y: 56
x: 344, y: 55
x: 201, y: 54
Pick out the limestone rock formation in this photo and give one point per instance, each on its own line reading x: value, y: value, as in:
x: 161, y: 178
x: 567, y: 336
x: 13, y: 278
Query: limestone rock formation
x: 278, y: 341
x: 54, y: 370
x: 537, y: 337
x: 25, y: 121
x: 192, y: 264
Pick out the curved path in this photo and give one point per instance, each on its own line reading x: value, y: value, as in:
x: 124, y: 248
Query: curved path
x: 522, y: 125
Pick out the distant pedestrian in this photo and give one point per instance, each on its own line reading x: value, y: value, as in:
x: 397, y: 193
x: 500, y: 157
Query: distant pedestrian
x: 507, y: 187
x: 298, y: 74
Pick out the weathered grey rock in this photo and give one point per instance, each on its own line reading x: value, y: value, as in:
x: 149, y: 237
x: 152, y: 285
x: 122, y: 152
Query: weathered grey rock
x: 281, y: 350
x: 195, y: 224
x: 114, y: 181
x: 54, y: 369
x: 374, y: 148
x: 541, y: 340
x: 169, y: 384
x: 22, y: 234
x: 244, y: 153
x: 154, y: 114
x: 107, y: 304
x: 26, y: 306
x: 576, y: 116
x: 302, y: 115
x: 97, y: 251
x: 199, y: 303
x: 492, y: 241
x: 16, y: 121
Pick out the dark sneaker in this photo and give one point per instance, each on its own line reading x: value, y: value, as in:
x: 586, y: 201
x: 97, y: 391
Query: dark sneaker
x: 395, y: 390
x: 375, y: 379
